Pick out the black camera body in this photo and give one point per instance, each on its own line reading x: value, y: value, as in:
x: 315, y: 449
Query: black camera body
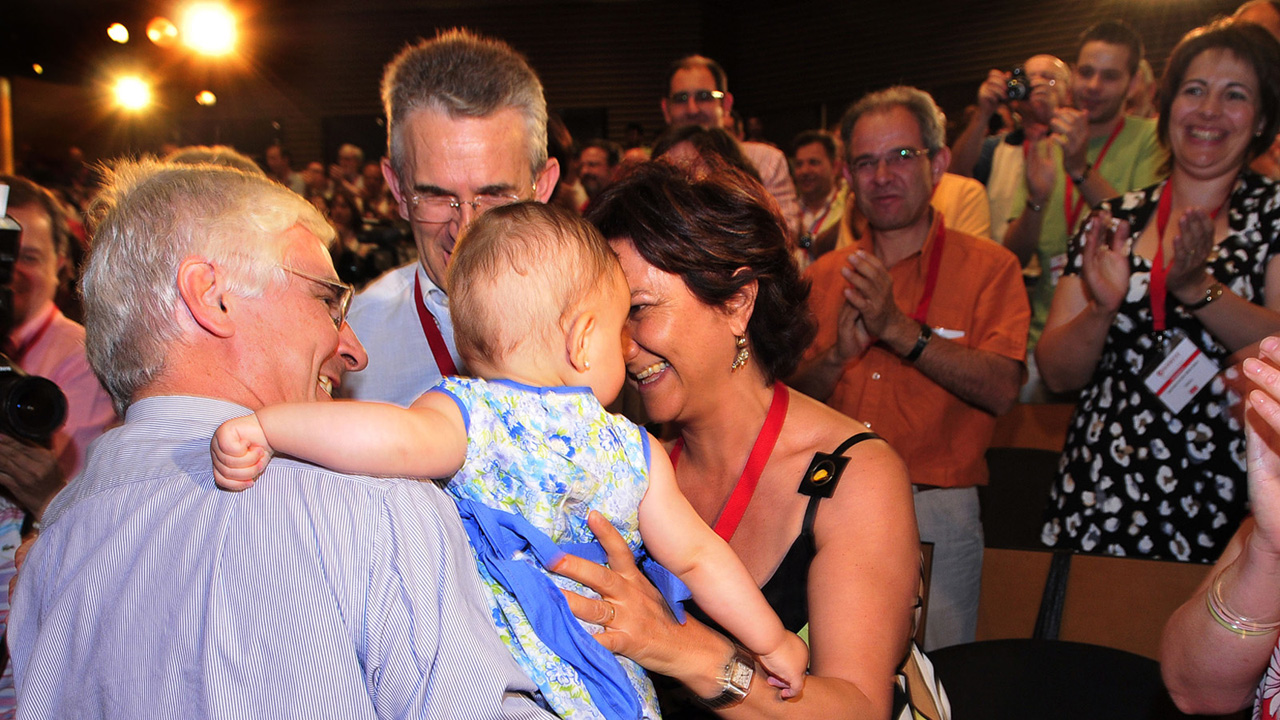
x: 32, y: 408
x: 1017, y: 87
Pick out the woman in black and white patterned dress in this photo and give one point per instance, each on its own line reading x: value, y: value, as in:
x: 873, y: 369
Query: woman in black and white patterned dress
x: 1154, y: 462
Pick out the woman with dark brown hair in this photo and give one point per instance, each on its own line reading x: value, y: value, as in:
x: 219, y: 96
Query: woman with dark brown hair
x: 718, y: 316
x: 1163, y: 289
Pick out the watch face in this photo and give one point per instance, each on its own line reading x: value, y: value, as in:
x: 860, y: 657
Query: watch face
x: 740, y: 674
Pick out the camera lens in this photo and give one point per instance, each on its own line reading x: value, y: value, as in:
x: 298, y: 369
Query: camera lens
x: 1017, y: 87
x: 32, y: 407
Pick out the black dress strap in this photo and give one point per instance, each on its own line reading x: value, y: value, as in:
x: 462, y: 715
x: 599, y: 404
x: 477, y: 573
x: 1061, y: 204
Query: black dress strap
x: 812, y: 511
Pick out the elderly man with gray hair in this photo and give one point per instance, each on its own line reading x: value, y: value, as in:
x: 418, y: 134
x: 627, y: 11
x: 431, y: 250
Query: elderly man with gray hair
x: 922, y: 332
x: 467, y: 126
x: 208, y: 294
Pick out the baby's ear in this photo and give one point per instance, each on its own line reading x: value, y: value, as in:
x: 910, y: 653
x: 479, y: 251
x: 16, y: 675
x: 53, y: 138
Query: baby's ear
x: 578, y: 340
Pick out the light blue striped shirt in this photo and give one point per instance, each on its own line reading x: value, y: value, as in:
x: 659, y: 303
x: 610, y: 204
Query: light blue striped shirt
x: 151, y: 594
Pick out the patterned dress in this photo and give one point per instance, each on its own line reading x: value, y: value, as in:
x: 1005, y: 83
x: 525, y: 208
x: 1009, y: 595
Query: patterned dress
x: 1136, y: 479
x: 551, y: 454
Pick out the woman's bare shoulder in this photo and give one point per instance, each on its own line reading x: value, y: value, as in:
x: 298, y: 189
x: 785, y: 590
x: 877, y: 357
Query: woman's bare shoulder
x: 819, y: 428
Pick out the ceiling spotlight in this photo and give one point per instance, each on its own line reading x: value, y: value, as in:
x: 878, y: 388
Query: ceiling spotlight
x: 118, y: 33
x: 206, y: 98
x: 162, y: 32
x: 132, y: 93
x: 209, y: 28
x: 37, y: 68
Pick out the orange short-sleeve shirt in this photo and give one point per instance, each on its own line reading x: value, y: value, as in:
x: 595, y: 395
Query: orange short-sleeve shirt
x: 979, y: 301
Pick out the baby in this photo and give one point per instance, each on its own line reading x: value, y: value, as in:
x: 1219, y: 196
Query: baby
x: 540, y: 308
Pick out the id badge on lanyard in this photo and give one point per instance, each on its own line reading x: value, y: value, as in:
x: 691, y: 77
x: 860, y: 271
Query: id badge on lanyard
x: 1181, y: 369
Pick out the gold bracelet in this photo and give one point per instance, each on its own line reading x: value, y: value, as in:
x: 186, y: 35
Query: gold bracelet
x: 1229, y: 619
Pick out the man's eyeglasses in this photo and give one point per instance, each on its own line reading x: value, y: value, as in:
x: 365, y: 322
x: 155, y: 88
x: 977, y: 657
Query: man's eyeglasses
x: 894, y: 160
x: 339, y: 303
x: 444, y: 208
x: 702, y: 97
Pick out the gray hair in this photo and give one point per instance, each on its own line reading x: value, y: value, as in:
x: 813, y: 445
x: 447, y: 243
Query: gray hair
x: 213, y: 155
x: 463, y: 74
x: 150, y: 217
x: 933, y: 124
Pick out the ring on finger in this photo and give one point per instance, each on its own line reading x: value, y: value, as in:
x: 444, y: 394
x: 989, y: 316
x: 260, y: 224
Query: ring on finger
x: 612, y: 612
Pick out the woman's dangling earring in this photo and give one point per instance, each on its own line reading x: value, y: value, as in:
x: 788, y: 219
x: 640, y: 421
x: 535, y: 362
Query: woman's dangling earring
x: 743, y: 354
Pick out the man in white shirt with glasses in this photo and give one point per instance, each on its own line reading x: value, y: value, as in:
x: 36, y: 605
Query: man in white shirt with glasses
x: 467, y: 123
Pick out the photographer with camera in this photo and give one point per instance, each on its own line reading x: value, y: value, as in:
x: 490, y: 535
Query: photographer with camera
x: 1093, y: 152
x: 43, y: 342
x: 1033, y: 91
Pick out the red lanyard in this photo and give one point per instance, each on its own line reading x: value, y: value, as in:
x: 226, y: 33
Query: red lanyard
x: 1158, y: 271
x: 1072, y: 207
x: 733, y: 510
x: 20, y: 351
x: 931, y: 275
x: 431, y: 328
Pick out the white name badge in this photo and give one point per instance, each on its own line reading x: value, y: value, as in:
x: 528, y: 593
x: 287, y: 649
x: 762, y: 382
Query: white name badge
x: 1183, y: 371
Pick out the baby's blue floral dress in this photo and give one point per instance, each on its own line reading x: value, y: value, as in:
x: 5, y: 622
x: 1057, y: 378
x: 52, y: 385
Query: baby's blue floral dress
x: 551, y: 454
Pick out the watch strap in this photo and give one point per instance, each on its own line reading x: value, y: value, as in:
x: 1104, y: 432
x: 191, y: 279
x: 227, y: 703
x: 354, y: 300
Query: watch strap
x: 926, y: 333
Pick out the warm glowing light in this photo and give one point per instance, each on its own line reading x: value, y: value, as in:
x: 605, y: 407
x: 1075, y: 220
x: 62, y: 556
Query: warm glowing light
x: 118, y: 32
x: 206, y: 98
x: 132, y: 93
x: 209, y: 28
x: 162, y: 32
x: 37, y: 68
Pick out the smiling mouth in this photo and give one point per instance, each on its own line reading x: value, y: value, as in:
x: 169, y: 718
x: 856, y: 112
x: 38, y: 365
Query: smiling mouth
x: 652, y: 370
x: 1205, y: 134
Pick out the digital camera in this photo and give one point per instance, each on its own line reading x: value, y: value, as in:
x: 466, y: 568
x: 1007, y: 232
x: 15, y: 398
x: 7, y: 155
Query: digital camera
x: 1017, y: 87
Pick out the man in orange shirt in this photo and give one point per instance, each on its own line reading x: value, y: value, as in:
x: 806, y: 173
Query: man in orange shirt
x: 922, y: 335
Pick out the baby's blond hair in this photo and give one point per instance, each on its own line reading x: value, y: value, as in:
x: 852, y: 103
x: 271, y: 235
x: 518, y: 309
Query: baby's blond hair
x: 516, y: 276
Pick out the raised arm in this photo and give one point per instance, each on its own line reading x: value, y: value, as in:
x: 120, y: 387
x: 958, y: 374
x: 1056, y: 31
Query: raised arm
x: 678, y: 538
x: 427, y: 440
x: 1209, y: 668
x: 968, y: 147
x: 1084, y: 306
x: 1235, y: 321
x: 1023, y: 234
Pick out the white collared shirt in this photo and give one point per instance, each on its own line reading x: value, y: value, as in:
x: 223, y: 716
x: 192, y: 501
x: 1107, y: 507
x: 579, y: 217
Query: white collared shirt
x: 385, y: 319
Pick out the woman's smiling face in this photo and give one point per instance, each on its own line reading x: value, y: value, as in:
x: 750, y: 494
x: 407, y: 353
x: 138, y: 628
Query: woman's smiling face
x: 680, y: 342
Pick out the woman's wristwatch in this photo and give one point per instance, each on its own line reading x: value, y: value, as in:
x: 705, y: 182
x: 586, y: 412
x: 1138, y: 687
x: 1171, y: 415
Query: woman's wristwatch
x: 735, y: 681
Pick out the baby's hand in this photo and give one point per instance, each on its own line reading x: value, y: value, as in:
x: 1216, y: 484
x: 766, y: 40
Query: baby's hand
x: 787, y: 665
x: 240, y: 453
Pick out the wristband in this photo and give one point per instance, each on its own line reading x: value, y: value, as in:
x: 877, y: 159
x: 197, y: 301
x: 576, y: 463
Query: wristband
x: 926, y: 333
x: 1031, y: 205
x: 1078, y: 180
x: 1213, y: 292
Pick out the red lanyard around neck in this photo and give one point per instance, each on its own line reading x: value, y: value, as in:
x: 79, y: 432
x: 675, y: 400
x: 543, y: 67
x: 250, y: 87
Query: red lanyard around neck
x: 1072, y: 207
x: 733, y: 510
x: 931, y: 274
x: 19, y: 352
x: 431, y: 328
x: 1159, y: 273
